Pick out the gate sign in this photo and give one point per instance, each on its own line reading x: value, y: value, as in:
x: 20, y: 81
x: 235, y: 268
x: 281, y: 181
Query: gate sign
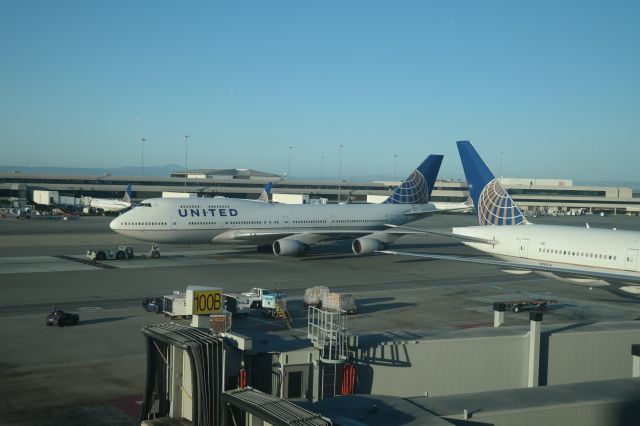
x: 207, y: 302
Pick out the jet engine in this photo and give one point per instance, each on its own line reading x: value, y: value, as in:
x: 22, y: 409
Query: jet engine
x: 286, y: 247
x: 367, y: 245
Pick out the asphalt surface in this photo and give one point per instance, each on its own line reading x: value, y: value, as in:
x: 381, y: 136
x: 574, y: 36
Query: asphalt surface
x: 94, y: 373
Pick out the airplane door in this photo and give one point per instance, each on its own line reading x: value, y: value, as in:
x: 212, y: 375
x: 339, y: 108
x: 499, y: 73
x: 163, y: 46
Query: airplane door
x: 173, y: 223
x: 631, y: 260
x: 285, y: 222
x: 524, y: 247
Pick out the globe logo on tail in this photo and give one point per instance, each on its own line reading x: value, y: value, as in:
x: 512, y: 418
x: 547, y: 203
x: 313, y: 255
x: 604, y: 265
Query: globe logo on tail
x: 495, y: 206
x: 413, y: 190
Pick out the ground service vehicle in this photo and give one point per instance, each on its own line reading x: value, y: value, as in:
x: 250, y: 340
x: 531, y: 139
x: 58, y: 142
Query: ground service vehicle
x: 529, y: 305
x: 121, y: 253
x: 175, y: 305
x: 237, y: 304
x: 61, y: 318
x: 153, y: 304
x: 274, y: 304
x: 255, y: 296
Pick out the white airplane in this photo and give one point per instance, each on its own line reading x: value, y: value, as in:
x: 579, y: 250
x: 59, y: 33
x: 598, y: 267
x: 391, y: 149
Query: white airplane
x: 581, y: 255
x: 286, y: 229
x: 111, y: 205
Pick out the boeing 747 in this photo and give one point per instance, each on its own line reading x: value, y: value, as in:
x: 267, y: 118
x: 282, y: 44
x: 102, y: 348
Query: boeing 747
x: 287, y: 230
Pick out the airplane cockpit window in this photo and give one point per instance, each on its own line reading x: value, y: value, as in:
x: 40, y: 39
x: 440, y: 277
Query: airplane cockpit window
x: 143, y: 205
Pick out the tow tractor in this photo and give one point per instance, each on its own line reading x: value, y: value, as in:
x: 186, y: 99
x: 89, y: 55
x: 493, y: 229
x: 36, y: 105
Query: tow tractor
x: 60, y: 318
x: 121, y: 253
x: 529, y: 305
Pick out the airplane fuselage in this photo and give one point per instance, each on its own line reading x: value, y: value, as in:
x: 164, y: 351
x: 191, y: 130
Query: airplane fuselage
x: 107, y: 205
x: 562, y: 246
x: 226, y: 220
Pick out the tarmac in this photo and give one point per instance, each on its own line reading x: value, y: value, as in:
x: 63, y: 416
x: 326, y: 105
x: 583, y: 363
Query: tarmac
x: 94, y: 373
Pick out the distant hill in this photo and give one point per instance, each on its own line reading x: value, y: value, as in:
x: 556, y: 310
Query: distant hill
x: 159, y: 171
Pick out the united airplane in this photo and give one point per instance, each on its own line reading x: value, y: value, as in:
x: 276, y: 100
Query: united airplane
x: 580, y: 254
x: 111, y: 205
x: 287, y: 230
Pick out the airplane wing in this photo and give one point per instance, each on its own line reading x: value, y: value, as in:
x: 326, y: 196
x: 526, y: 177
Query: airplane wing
x: 441, y: 208
x: 427, y: 213
x: 311, y: 236
x: 444, y: 234
x: 564, y: 272
x: 306, y: 237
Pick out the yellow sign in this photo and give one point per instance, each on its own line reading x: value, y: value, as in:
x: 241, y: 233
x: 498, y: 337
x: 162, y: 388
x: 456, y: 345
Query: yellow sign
x: 207, y: 302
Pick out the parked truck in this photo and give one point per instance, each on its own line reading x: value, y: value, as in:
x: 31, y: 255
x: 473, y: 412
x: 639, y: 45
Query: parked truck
x: 255, y: 296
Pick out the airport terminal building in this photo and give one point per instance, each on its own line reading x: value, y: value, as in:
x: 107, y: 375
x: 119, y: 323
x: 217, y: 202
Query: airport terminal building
x: 537, y: 196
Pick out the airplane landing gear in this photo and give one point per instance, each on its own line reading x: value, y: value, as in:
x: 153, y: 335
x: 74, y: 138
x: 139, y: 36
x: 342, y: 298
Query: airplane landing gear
x: 154, y: 252
x: 264, y: 248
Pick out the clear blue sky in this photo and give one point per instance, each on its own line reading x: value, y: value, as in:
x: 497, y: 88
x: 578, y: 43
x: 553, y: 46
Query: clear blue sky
x: 554, y: 85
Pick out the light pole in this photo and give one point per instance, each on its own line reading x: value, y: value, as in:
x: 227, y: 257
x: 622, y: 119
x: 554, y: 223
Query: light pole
x: 340, y: 172
x: 501, y: 154
x: 289, y: 172
x: 142, y: 141
x: 186, y: 140
x: 395, y: 158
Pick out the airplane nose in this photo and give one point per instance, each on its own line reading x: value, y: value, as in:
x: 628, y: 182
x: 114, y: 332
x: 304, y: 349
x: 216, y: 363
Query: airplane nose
x: 114, y: 224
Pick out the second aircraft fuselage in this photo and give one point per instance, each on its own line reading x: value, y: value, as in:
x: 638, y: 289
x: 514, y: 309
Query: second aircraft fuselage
x: 559, y: 245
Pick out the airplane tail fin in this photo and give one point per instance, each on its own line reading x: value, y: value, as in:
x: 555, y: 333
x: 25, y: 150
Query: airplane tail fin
x: 127, y: 194
x: 493, y: 204
x: 416, y: 189
x: 264, y: 195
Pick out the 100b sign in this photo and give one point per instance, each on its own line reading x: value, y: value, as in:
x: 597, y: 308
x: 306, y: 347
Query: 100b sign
x: 207, y: 302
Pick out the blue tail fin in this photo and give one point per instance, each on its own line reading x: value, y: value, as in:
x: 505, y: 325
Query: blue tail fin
x: 127, y: 194
x: 416, y: 189
x: 264, y: 195
x: 493, y: 203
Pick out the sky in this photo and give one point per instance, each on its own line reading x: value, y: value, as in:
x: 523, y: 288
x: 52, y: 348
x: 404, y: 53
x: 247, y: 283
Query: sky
x: 552, y: 85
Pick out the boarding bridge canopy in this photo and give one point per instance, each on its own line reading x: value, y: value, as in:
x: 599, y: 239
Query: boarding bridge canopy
x: 273, y: 410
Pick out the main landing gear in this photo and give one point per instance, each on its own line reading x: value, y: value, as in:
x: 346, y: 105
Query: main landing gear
x: 154, y: 252
x: 264, y: 248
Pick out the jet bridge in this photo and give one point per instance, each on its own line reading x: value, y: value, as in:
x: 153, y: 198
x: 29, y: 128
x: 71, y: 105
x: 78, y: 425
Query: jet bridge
x: 185, y: 370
